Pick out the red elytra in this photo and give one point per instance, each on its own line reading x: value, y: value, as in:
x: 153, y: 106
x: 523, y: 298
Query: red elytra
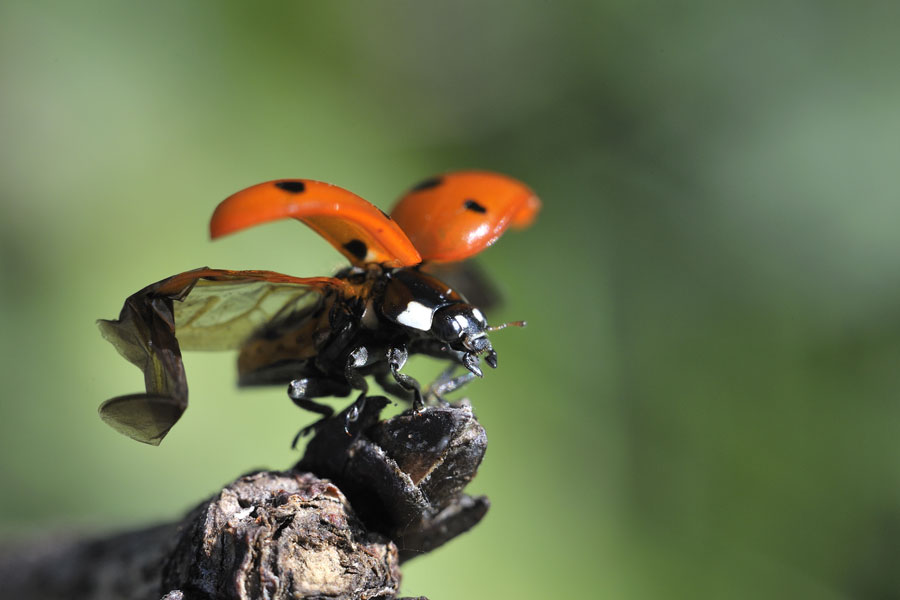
x: 444, y: 219
x: 339, y: 216
x: 457, y: 215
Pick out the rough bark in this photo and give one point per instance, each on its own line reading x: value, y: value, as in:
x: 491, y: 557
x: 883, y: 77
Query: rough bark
x: 290, y: 534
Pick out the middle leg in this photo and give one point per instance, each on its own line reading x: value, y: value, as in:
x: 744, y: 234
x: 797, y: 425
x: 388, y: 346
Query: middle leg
x: 357, y: 360
x: 397, y: 357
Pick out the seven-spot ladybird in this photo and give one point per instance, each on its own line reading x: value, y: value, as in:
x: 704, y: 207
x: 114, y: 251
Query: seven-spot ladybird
x: 323, y: 335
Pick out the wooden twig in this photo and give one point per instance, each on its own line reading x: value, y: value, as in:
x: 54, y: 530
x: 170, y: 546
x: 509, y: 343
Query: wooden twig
x: 291, y: 534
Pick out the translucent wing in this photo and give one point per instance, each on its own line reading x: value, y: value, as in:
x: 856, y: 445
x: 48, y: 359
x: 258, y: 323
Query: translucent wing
x: 203, y: 309
x: 355, y: 227
x: 457, y: 215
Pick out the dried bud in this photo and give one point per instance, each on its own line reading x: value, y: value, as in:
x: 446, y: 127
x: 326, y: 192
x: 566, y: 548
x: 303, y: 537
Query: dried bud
x: 281, y: 535
x: 405, y: 476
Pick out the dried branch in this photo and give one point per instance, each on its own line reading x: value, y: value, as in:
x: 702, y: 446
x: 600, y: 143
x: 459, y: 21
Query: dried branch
x: 288, y: 534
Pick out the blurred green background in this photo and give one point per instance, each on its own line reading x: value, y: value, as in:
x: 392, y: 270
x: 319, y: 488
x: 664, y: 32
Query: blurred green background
x: 705, y: 402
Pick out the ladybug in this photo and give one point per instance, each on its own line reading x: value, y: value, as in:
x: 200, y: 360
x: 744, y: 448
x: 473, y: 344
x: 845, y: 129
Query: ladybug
x: 324, y: 336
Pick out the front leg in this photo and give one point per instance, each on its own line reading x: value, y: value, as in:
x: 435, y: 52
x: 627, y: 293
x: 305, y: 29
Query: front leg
x: 468, y: 359
x: 447, y: 382
x: 397, y: 357
x: 357, y: 359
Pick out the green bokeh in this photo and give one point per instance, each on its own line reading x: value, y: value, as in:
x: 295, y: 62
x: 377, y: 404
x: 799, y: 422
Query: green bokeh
x: 705, y: 402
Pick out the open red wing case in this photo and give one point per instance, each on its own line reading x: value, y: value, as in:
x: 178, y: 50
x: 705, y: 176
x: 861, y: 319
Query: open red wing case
x: 457, y: 215
x: 355, y: 227
x: 203, y: 309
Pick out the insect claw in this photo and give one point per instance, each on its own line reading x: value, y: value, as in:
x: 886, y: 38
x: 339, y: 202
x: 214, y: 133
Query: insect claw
x: 470, y: 361
x: 352, y: 415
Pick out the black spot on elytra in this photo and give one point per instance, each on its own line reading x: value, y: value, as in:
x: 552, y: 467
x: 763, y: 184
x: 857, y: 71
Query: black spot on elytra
x: 357, y: 248
x: 474, y: 206
x: 432, y: 182
x: 294, y: 187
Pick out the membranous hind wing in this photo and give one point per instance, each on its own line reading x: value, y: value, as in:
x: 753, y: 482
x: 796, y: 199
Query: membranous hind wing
x: 203, y: 309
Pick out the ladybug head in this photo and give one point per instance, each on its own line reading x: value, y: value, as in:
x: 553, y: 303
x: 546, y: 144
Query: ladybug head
x: 464, y: 328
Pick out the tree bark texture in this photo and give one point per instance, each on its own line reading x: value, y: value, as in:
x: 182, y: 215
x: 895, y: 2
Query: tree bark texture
x: 392, y: 492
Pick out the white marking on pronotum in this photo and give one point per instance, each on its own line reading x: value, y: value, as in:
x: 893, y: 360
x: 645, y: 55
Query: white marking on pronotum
x: 478, y: 315
x: 417, y: 316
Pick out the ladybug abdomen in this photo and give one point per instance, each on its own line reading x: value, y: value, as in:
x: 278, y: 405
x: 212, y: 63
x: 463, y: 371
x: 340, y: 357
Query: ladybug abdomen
x: 279, y: 351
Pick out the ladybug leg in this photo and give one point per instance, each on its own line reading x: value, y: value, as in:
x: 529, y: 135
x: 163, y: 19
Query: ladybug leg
x: 386, y: 381
x: 302, y: 391
x: 358, y: 359
x: 470, y: 361
x: 397, y: 357
x: 446, y: 382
